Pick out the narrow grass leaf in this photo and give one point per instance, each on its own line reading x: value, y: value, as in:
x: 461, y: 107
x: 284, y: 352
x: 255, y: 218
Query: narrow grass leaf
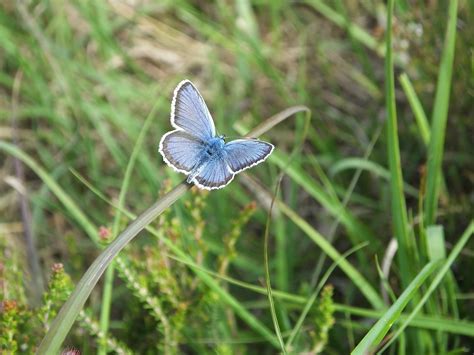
x: 440, y: 117
x: 267, y: 275
x: 420, y: 117
x: 383, y: 325
x: 436, y: 246
x: 444, y: 324
x: 398, y: 207
x: 374, y: 168
x: 416, y: 107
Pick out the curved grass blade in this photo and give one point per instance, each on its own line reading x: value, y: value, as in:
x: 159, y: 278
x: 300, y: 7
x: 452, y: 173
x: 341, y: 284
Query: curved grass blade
x: 374, y: 168
x: 109, y: 274
x: 267, y: 273
x: 68, y: 313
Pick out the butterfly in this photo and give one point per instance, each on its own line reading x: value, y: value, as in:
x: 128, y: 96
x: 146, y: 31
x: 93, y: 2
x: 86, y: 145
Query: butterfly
x: 195, y: 149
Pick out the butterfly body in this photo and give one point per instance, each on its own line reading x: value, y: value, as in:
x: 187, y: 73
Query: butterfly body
x: 215, y: 146
x: 195, y: 149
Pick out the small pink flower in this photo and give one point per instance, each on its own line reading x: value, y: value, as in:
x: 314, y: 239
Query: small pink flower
x: 57, y: 267
x: 104, y: 233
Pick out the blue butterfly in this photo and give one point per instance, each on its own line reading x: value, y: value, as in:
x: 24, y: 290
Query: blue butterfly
x: 194, y: 149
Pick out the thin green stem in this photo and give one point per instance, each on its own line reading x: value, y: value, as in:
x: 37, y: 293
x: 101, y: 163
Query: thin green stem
x: 267, y: 275
x: 309, y: 303
x: 109, y: 275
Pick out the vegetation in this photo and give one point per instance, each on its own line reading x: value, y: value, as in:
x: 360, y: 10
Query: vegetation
x: 354, y: 236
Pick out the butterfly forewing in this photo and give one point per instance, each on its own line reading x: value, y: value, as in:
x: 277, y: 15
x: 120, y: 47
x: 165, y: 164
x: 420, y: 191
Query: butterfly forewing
x: 242, y: 154
x: 190, y: 113
x: 181, y: 150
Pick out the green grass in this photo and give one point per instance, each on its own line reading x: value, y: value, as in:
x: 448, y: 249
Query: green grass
x: 440, y: 117
x: 366, y: 159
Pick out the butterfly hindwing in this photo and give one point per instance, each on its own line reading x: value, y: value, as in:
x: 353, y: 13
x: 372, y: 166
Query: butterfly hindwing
x: 190, y: 113
x: 214, y: 174
x: 181, y: 150
x: 242, y: 154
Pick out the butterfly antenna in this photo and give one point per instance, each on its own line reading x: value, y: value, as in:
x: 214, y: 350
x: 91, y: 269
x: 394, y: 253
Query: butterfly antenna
x: 232, y: 137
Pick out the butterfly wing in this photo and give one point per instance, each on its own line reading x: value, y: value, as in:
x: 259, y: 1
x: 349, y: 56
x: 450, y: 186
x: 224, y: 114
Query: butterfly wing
x: 214, y: 174
x: 242, y: 154
x: 190, y: 113
x: 181, y: 150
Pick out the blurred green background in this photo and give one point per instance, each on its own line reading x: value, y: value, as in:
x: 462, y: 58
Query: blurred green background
x: 78, y: 80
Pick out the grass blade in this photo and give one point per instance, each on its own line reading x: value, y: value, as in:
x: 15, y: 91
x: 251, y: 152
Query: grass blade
x: 399, y: 212
x: 267, y: 275
x: 383, y: 325
x: 420, y: 117
x: 417, y: 108
x: 109, y: 275
x: 374, y: 168
x: 440, y: 117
